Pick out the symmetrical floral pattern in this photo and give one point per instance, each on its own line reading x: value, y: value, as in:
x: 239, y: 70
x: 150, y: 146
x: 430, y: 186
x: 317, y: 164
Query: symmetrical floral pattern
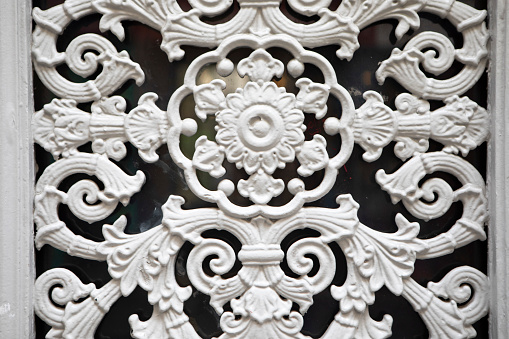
x: 259, y: 128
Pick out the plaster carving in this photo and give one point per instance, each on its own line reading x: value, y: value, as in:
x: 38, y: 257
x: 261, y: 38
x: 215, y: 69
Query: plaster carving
x: 259, y: 128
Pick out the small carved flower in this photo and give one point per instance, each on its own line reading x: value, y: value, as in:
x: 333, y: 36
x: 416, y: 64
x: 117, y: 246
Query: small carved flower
x: 312, y: 97
x: 208, y: 157
x: 260, y: 127
x: 312, y: 156
x: 260, y: 65
x: 209, y: 98
x: 260, y: 188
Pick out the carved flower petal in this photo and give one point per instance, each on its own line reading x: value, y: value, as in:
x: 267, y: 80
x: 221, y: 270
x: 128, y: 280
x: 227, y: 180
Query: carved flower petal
x: 270, y: 162
x: 251, y: 93
x: 293, y: 119
x: 285, y: 152
x: 235, y: 102
x: 269, y: 93
x: 285, y: 102
x: 293, y: 137
x: 251, y: 162
x: 226, y: 136
x: 235, y: 151
x: 227, y: 118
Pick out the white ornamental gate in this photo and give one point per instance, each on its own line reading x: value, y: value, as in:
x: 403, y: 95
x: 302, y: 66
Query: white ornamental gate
x: 244, y: 147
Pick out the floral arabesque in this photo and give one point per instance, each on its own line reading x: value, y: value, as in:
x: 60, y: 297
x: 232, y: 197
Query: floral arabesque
x: 259, y: 128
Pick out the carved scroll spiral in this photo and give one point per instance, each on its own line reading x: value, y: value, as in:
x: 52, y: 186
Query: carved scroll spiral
x: 300, y: 264
x: 466, y: 286
x: 404, y: 186
x: 116, y: 66
x: 404, y: 65
x: 222, y: 264
x: 118, y: 187
x: 74, y: 319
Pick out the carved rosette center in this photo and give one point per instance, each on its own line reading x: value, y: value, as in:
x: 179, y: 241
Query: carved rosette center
x: 261, y: 127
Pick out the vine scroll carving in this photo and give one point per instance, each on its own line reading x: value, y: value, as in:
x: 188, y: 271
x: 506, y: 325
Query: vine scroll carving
x: 259, y: 129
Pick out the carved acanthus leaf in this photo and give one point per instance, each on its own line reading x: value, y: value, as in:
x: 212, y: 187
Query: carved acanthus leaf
x: 117, y: 67
x: 385, y: 259
x: 447, y: 318
x: 150, y: 12
x: 365, y: 13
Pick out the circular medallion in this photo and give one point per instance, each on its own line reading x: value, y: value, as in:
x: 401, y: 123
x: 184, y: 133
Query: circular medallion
x: 260, y: 127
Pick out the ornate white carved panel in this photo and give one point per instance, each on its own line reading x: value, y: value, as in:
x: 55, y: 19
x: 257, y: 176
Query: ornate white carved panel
x: 257, y: 128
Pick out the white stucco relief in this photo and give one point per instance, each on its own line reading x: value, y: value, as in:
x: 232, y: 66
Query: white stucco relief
x: 259, y: 128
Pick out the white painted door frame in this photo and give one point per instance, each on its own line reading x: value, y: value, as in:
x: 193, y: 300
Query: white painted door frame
x: 17, y: 273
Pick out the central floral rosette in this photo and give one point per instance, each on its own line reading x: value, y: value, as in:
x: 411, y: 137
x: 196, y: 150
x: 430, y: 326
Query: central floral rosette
x: 260, y: 127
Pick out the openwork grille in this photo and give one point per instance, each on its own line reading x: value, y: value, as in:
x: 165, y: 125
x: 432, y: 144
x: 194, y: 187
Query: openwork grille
x: 236, y: 186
